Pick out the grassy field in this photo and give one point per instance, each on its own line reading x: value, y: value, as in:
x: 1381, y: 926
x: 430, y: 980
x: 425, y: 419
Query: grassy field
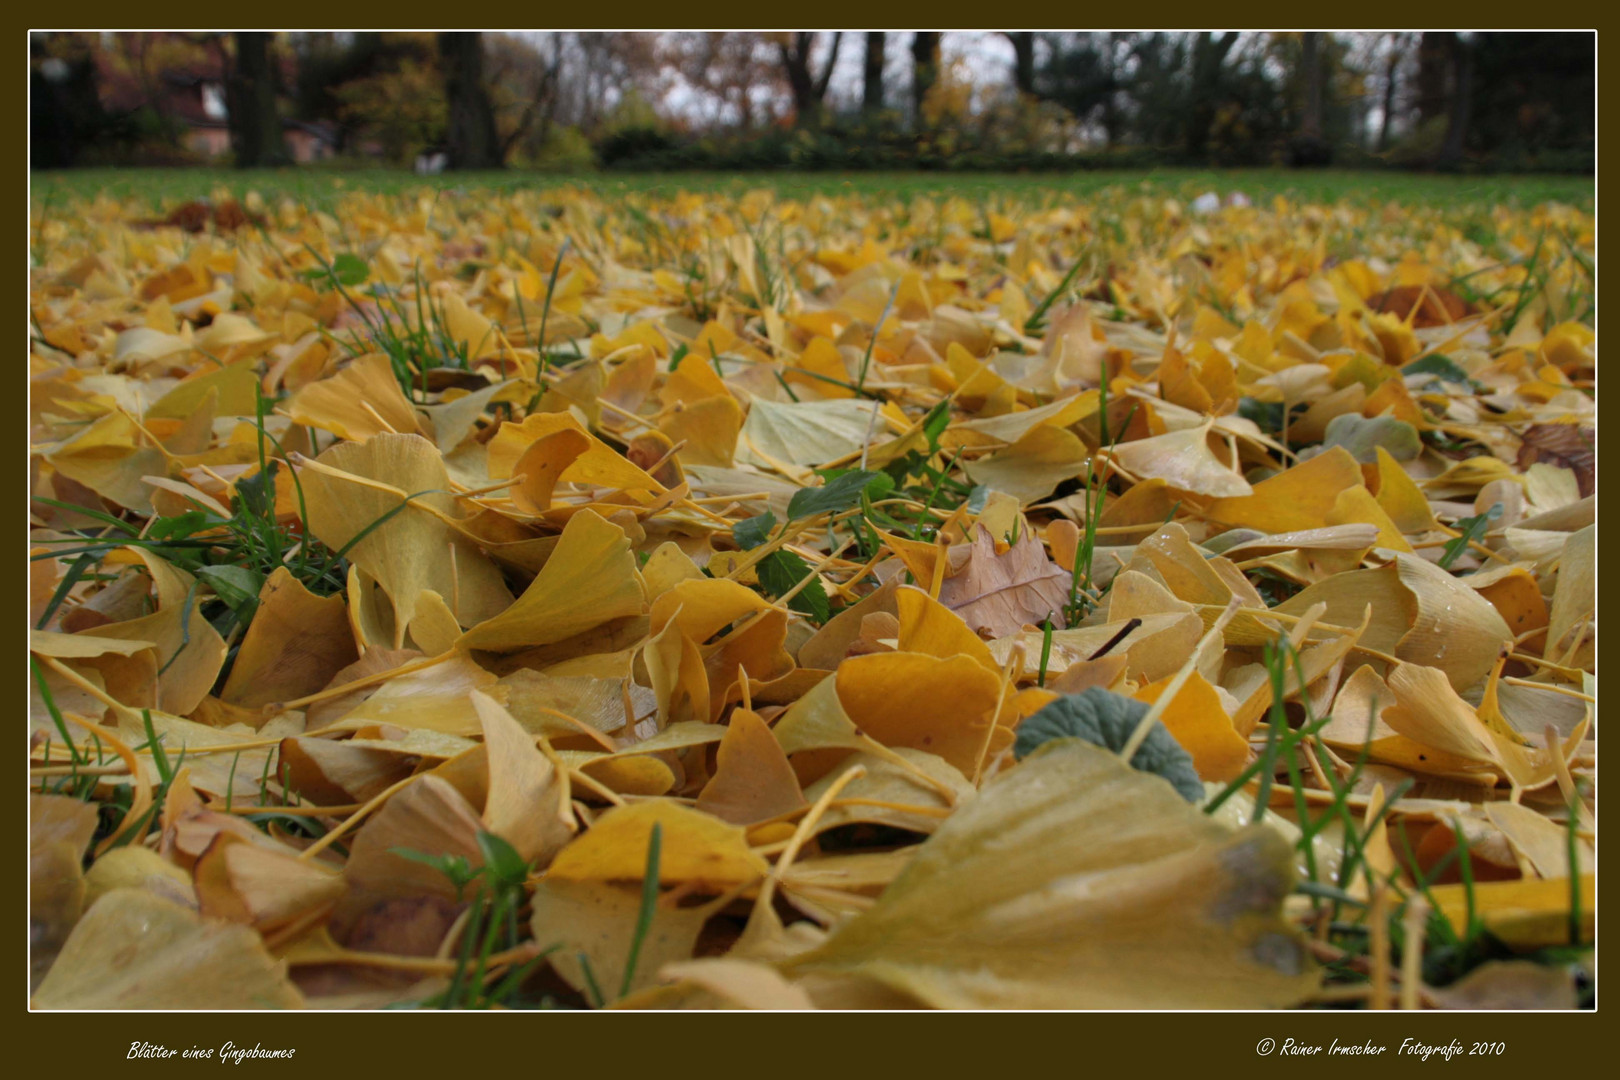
x: 387, y: 461
x: 160, y: 187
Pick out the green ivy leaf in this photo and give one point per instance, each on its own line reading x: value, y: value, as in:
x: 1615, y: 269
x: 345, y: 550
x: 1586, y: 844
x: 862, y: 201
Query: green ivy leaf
x: 1440, y: 365
x: 841, y: 493
x: 1107, y: 719
x: 751, y: 532
x: 780, y: 571
x: 350, y: 269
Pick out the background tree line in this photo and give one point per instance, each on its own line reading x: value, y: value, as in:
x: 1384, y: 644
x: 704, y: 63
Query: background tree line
x: 737, y: 100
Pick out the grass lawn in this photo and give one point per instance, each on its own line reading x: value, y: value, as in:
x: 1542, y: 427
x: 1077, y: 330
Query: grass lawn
x: 160, y: 187
x: 439, y: 437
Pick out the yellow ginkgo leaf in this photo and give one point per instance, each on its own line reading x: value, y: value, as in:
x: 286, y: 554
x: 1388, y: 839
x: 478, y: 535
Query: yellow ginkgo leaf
x: 1184, y: 461
x: 929, y: 627
x: 594, y: 923
x: 589, y: 580
x: 1074, y: 881
x: 1199, y: 723
x: 363, y: 399
x: 258, y: 886
x: 1033, y: 466
x: 134, y: 950
x: 752, y: 781
x: 695, y: 849
x: 296, y: 642
x: 1301, y: 497
x: 945, y: 707
x: 358, y: 495
x: 527, y: 804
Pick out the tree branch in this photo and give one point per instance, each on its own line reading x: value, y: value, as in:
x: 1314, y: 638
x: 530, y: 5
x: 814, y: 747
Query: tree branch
x: 832, y: 60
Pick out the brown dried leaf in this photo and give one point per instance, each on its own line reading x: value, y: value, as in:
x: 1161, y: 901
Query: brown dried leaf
x: 1000, y: 594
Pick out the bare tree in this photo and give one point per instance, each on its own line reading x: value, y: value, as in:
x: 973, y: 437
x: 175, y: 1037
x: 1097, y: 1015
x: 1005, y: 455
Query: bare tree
x: 738, y: 72
x: 872, y: 85
x: 1023, y: 43
x: 809, y: 89
x: 1208, y: 59
x: 1392, y: 65
x: 523, y: 79
x: 1461, y: 105
x: 473, y: 142
x: 251, y: 104
x: 924, y: 69
x: 1311, y: 68
x: 1434, y: 59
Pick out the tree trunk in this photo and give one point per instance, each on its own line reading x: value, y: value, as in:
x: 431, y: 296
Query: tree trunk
x: 251, y: 104
x: 1391, y: 67
x: 872, y: 85
x: 1311, y: 67
x: 809, y: 89
x: 1208, y: 56
x: 1023, y: 43
x: 1433, y: 62
x: 1462, y: 100
x: 1309, y: 148
x: 473, y: 143
x: 1112, y: 120
x: 924, y: 69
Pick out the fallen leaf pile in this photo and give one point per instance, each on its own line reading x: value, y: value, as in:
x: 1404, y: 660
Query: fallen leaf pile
x: 536, y: 597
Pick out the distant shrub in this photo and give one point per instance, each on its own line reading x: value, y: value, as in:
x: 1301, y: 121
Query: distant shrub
x: 633, y: 144
x: 852, y: 146
x: 565, y: 149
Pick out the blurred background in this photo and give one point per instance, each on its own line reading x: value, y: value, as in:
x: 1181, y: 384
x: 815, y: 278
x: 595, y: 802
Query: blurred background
x: 571, y: 102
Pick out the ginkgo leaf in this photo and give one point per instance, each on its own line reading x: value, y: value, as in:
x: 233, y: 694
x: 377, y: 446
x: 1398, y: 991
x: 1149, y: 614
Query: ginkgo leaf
x: 437, y: 698
x: 1301, y: 497
x: 808, y: 432
x: 527, y: 804
x: 110, y: 457
x: 363, y: 399
x: 1184, y: 461
x: 134, y: 950
x: 296, y: 642
x: 916, y: 794
x: 410, y: 546
x: 428, y: 817
x: 1033, y: 466
x: 590, y: 579
x: 233, y: 384
x: 593, y: 923
x: 753, y: 780
x: 408, y: 572
x: 59, y: 831
x: 1111, y: 893
x: 696, y: 849
x: 252, y: 884
x: 945, y: 707
x: 1574, y: 597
